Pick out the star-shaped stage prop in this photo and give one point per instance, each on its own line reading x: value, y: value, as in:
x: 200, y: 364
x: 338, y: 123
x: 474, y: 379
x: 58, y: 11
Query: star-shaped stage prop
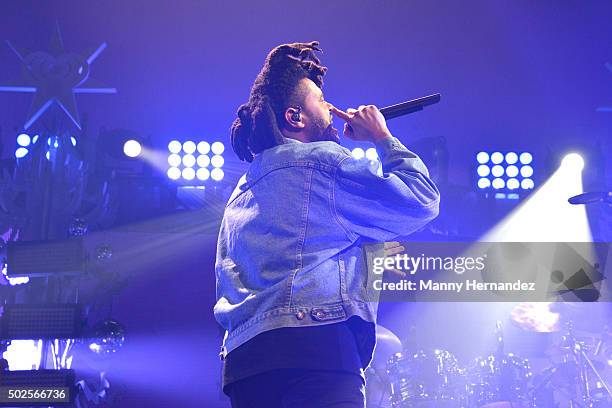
x: 54, y: 77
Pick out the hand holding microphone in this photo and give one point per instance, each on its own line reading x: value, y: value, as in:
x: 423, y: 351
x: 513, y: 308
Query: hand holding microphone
x: 364, y: 124
x: 368, y: 123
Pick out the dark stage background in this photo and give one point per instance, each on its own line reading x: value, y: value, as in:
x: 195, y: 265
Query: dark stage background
x: 519, y: 75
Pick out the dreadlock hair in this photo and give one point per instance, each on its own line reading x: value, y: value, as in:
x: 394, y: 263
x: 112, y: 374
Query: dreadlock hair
x: 259, y: 122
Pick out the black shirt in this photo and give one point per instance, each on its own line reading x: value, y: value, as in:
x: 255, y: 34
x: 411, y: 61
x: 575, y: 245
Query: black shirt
x: 344, y: 346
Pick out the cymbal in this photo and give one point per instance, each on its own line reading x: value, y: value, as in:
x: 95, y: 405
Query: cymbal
x: 387, y: 344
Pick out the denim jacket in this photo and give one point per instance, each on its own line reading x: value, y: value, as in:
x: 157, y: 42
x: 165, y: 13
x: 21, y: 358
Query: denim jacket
x: 289, y: 248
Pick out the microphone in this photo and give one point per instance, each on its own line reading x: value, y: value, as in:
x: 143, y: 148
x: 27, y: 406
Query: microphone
x: 405, y: 108
x: 592, y: 197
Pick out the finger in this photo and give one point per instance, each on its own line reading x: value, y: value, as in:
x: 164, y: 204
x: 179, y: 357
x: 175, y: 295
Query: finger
x: 340, y: 113
x: 348, y: 130
x: 351, y: 111
x: 394, y: 250
x: 391, y: 244
x: 361, y: 107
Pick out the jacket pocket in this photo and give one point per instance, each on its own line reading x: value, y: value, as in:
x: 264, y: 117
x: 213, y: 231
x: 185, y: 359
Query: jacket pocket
x: 325, y: 313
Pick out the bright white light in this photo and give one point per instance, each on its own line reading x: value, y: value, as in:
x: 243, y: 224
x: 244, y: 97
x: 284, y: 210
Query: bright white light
x: 174, y: 173
x: 482, y: 157
x: 358, y: 153
x: 203, y: 148
x: 526, y: 171
x: 188, y: 173
x: 498, y: 183
x: 484, y: 183
x: 371, y: 154
x: 217, y: 161
x: 48, y: 155
x: 35, y: 139
x: 574, y: 161
x: 174, y: 160
x: 21, y: 152
x: 55, y: 141
x: 174, y: 146
x: 132, y: 148
x: 483, y: 170
x: 23, y: 140
x: 217, y: 174
x: 513, y: 184
x: 497, y: 171
x: 536, y: 317
x: 13, y: 281
x: 23, y: 354
x: 511, y: 158
x: 202, y: 174
x: 546, y: 216
x: 527, y: 184
x: 73, y: 140
x: 497, y: 158
x: 189, y: 147
x: 189, y: 160
x: 526, y: 158
x: 203, y: 160
x: 217, y: 148
x: 512, y: 171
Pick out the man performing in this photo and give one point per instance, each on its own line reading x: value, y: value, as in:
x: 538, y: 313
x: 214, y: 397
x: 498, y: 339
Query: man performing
x: 291, y: 275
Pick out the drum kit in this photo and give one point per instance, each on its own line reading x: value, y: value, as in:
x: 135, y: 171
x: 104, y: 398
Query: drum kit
x: 576, y: 375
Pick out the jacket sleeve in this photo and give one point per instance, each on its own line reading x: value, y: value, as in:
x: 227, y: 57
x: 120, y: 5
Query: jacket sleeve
x: 382, y: 207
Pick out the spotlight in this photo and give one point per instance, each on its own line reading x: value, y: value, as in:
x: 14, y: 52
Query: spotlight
x: 203, y: 148
x: 21, y: 152
x: 189, y: 147
x: 371, y: 154
x: 358, y: 153
x: 175, y: 147
x: 526, y: 158
x: 497, y: 158
x: 202, y: 174
x: 497, y: 171
x: 498, y: 183
x: 188, y: 173
x: 132, y: 148
x: 174, y: 160
x: 23, y: 354
x: 482, y: 157
x: 527, y: 184
x: 174, y: 173
x: 512, y: 171
x: 506, y: 171
x: 217, y: 174
x: 35, y: 139
x: 23, y: 140
x: 203, y: 160
x: 484, y: 183
x: 573, y: 161
x: 483, y: 170
x: 526, y: 171
x: 189, y: 160
x: 513, y: 184
x: 217, y: 161
x: 53, y: 140
x: 511, y: 157
x: 217, y: 148
x: 73, y: 140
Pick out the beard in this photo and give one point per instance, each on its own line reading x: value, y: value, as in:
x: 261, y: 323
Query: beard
x: 325, y: 132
